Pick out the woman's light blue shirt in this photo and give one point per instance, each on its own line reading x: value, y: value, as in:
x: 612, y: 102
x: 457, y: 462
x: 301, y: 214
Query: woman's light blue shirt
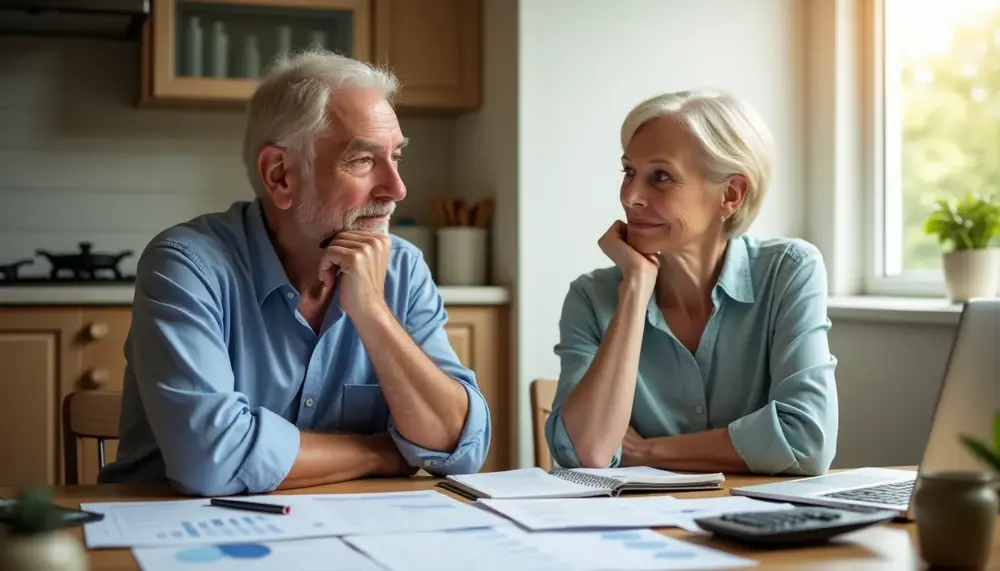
x: 763, y: 367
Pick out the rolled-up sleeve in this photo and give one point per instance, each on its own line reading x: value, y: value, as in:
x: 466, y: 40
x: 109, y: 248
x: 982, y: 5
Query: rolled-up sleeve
x: 212, y: 441
x: 796, y: 432
x: 579, y: 339
x: 425, y: 322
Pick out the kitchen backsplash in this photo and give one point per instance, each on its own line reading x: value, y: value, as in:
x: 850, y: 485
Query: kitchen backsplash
x: 81, y: 163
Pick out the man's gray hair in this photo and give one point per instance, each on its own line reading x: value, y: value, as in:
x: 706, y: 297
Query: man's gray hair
x: 733, y: 137
x: 288, y: 108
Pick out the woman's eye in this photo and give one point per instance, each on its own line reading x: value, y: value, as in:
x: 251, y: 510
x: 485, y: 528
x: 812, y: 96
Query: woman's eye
x: 662, y: 176
x: 363, y: 160
x: 397, y: 158
x: 629, y: 171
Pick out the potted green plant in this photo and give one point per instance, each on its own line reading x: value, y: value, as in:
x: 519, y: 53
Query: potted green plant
x: 983, y: 450
x: 968, y: 225
x: 33, y: 540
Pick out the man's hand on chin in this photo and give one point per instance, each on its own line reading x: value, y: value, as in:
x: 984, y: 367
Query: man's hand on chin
x: 359, y: 259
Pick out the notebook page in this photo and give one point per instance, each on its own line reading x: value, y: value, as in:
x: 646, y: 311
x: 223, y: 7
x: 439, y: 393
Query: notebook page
x: 646, y: 474
x: 524, y: 483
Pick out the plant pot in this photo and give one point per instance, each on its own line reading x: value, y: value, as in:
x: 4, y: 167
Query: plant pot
x: 972, y: 273
x: 55, y: 551
x: 956, y: 513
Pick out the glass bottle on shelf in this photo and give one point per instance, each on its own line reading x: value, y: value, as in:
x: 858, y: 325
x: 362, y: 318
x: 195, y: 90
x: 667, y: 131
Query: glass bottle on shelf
x: 192, y: 47
x: 284, y: 43
x: 251, y: 56
x: 220, y: 50
x: 317, y: 39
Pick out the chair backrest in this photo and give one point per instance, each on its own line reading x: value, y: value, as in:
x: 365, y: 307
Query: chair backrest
x: 88, y: 414
x: 543, y: 392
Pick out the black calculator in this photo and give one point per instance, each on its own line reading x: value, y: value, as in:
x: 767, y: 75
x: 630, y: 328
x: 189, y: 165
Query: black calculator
x: 791, y: 527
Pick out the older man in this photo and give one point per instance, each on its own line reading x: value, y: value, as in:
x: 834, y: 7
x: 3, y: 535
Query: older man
x: 290, y: 341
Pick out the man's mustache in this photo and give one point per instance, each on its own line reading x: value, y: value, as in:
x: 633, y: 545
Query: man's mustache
x: 368, y: 209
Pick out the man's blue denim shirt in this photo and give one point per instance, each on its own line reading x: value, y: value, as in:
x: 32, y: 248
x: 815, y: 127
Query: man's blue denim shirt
x: 223, y: 371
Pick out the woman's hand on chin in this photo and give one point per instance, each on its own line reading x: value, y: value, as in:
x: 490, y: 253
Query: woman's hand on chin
x: 637, y: 268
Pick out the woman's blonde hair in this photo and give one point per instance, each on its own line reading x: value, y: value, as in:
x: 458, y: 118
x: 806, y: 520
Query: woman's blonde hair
x: 733, y: 137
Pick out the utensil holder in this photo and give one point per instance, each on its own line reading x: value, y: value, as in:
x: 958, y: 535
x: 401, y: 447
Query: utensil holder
x: 462, y: 256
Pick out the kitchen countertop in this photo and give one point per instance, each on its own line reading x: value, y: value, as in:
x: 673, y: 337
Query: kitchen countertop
x: 122, y: 295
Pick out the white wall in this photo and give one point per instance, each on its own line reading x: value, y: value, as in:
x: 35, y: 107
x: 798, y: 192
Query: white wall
x: 486, y: 154
x: 583, y: 65
x: 81, y: 163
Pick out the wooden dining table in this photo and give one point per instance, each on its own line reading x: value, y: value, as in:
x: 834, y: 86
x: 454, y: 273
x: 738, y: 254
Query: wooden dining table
x: 889, y: 546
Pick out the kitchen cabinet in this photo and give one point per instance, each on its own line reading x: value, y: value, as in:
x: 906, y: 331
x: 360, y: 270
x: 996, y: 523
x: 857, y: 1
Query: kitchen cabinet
x: 51, y: 351
x: 210, y: 53
x: 434, y: 47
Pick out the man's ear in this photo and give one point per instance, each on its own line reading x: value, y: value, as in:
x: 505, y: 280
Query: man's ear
x: 275, y: 172
x: 734, y: 194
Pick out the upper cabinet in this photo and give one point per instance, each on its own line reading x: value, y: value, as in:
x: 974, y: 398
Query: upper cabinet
x: 434, y: 47
x: 208, y: 53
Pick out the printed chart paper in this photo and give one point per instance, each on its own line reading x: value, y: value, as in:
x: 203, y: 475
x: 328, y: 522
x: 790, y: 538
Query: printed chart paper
x: 427, y: 510
x: 619, y: 513
x: 195, y: 522
x: 326, y: 554
x: 512, y: 548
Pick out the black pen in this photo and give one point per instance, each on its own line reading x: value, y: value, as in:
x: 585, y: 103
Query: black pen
x: 252, y: 506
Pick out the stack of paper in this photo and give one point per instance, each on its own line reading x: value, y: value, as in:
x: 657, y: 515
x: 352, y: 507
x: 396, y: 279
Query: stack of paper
x: 621, y: 513
x: 416, y: 530
x: 511, y: 548
x: 195, y: 522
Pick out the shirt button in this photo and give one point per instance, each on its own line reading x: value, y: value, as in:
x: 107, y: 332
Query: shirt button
x: 290, y: 295
x: 428, y: 463
x: 309, y: 402
x: 697, y: 409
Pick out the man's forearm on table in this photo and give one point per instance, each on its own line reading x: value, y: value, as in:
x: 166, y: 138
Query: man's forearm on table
x: 428, y: 407
x: 331, y: 458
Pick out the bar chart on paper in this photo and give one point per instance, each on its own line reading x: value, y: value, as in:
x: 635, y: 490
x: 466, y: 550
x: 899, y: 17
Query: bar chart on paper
x: 241, y: 527
x: 194, y: 522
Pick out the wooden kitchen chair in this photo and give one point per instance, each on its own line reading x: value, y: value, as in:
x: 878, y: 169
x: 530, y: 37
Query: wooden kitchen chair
x: 543, y: 392
x: 88, y: 414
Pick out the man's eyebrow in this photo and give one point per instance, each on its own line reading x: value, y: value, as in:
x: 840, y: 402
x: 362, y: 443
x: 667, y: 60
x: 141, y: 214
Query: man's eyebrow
x: 366, y: 145
x: 360, y: 145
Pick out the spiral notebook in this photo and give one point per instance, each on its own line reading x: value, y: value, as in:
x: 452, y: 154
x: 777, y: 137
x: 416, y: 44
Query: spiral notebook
x: 536, y: 483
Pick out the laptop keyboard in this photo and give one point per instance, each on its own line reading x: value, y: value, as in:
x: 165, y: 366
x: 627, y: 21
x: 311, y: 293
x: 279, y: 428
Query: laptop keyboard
x: 895, y: 494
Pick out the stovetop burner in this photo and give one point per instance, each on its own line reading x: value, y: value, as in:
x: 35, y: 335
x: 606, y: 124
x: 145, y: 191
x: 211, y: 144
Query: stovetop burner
x: 70, y: 268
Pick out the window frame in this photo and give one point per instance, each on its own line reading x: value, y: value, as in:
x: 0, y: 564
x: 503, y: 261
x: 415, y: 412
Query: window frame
x: 881, y: 220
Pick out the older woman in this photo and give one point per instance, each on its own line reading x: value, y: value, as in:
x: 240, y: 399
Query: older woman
x: 702, y: 349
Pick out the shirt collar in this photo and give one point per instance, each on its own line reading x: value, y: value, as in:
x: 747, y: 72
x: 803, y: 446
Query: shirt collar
x: 268, y: 273
x: 735, y: 278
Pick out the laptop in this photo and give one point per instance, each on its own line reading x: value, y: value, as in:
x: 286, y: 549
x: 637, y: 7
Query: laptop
x: 967, y: 401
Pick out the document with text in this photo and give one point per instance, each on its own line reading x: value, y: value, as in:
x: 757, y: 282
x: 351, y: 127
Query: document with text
x: 505, y: 548
x: 620, y: 513
x: 195, y: 522
x: 323, y: 554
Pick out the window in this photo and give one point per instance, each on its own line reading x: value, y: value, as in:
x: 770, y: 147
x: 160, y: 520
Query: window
x: 936, y: 119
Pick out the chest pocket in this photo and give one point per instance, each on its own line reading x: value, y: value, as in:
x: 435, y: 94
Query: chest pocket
x: 365, y: 409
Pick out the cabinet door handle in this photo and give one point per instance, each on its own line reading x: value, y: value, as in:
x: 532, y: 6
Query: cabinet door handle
x: 97, y: 330
x: 96, y: 378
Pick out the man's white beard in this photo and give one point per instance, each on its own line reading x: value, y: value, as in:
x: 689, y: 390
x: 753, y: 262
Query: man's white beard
x: 314, y: 222
x: 352, y: 222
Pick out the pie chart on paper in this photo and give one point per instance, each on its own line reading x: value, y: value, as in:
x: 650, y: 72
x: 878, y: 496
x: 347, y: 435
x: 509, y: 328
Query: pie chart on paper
x: 212, y: 553
x: 317, y: 554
